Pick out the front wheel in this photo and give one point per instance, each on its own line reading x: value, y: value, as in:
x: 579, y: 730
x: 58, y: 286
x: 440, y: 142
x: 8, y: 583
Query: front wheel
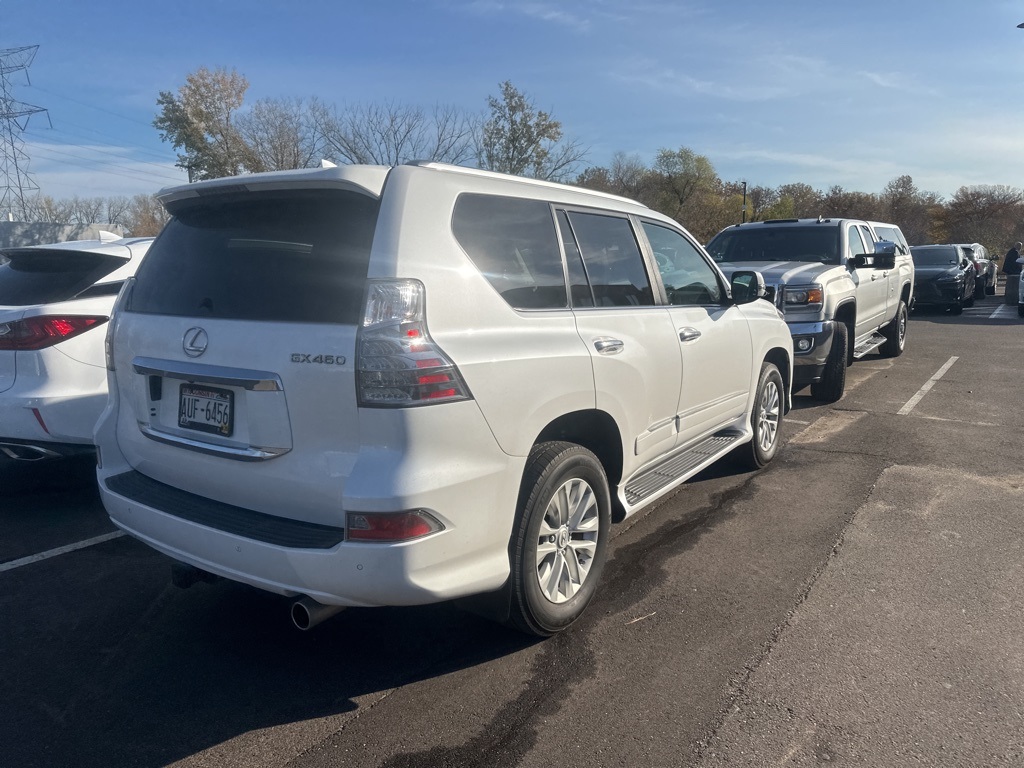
x: 896, y: 333
x: 833, y: 380
x: 765, y: 419
x: 559, y: 542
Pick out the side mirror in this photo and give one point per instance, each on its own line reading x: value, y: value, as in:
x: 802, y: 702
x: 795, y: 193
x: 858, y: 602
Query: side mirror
x: 747, y: 286
x: 863, y: 260
x: 885, y: 254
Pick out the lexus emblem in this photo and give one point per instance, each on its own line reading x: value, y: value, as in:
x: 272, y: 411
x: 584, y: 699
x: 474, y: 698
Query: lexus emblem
x: 195, y: 342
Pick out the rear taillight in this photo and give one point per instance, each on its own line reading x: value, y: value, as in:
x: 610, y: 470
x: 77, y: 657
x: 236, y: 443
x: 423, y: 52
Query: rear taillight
x: 43, y: 331
x: 397, y: 363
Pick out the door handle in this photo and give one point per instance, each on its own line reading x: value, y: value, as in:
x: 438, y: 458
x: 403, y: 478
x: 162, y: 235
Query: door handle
x: 688, y: 334
x: 608, y: 346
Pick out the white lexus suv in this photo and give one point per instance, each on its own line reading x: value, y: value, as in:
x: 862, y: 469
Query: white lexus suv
x: 54, y: 303
x: 367, y: 386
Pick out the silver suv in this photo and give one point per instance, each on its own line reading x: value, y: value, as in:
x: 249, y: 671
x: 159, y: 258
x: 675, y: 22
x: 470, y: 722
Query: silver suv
x: 366, y: 386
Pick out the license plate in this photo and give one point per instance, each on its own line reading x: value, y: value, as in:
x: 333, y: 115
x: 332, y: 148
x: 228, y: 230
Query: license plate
x: 206, y: 409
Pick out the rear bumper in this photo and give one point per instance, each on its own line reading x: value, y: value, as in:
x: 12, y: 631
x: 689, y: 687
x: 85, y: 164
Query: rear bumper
x: 472, y: 492
x: 29, y: 418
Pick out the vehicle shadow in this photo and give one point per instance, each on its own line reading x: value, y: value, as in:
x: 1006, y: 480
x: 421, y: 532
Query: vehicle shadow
x: 148, y: 674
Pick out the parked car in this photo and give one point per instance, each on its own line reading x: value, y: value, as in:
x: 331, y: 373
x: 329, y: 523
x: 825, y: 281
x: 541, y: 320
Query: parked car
x: 844, y: 287
x: 945, y: 277
x: 367, y: 386
x: 985, y: 267
x: 54, y: 302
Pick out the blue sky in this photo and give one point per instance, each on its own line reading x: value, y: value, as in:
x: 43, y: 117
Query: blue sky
x: 853, y: 94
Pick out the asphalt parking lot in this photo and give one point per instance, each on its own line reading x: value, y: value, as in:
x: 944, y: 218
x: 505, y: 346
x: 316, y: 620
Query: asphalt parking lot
x: 857, y: 603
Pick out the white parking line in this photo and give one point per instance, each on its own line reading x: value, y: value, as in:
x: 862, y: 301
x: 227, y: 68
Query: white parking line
x: 1003, y: 309
x: 12, y: 564
x: 927, y: 386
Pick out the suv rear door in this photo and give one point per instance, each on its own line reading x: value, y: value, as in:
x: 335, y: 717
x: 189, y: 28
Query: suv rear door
x: 36, y: 276
x: 237, y: 342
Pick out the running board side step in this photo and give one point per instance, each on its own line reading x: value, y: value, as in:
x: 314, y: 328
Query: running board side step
x: 678, y: 466
x: 870, y: 344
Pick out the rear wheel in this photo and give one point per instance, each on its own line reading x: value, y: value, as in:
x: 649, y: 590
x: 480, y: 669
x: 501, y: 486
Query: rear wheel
x: 559, y: 542
x: 833, y: 380
x: 765, y: 419
x: 896, y: 333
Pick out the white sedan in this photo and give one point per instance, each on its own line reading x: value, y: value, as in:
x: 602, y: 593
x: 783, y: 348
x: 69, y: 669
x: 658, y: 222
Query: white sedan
x: 55, y: 301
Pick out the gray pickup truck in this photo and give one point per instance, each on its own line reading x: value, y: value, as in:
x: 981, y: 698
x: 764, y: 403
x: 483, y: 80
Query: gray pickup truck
x: 844, y: 286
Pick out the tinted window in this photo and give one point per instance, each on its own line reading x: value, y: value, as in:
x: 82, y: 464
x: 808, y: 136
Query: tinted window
x: 579, y: 285
x: 41, y: 277
x: 687, y: 277
x: 613, y: 260
x: 938, y: 255
x: 891, y: 234
x: 785, y: 243
x: 299, y: 257
x: 513, y: 242
x: 856, y: 244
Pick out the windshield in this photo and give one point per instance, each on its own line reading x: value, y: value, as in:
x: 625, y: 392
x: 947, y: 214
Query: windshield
x: 934, y: 256
x: 813, y: 244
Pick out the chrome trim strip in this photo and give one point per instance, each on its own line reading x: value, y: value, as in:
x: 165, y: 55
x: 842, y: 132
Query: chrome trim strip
x: 244, y: 378
x: 224, y: 451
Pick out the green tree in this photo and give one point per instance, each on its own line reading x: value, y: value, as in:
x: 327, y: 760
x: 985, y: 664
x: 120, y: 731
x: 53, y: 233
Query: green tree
x: 199, y: 121
x: 688, y: 190
x: 518, y: 138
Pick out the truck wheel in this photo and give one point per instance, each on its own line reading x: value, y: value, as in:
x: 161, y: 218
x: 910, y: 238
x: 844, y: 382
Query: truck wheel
x: 896, y: 333
x: 765, y: 420
x: 559, y: 541
x: 833, y: 380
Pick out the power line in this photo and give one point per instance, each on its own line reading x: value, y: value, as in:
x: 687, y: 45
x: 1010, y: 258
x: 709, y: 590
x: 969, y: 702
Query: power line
x: 161, y: 166
x: 121, y: 171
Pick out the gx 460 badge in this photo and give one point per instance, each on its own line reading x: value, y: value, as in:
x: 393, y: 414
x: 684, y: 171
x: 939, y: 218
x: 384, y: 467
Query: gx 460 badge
x: 301, y: 357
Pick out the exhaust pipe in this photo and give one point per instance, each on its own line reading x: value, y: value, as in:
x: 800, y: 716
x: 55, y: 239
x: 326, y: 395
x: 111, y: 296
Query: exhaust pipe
x: 307, y: 612
x: 27, y: 452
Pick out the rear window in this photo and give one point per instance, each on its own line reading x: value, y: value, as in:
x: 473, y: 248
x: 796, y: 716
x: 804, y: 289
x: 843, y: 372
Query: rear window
x: 289, y: 257
x: 788, y: 243
x: 513, y: 243
x: 43, y: 277
x: 939, y: 255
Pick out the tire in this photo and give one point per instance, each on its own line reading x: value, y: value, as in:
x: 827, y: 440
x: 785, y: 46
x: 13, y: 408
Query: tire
x: 765, y: 420
x: 559, y: 542
x: 896, y: 333
x: 833, y: 380
x: 1020, y: 310
x: 956, y: 309
x: 979, y: 288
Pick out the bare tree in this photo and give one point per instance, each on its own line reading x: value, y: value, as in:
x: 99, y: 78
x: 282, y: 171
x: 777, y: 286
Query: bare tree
x: 145, y: 216
x: 389, y: 134
x: 281, y: 134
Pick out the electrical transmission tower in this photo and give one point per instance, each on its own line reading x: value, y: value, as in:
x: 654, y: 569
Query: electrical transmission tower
x: 15, y: 181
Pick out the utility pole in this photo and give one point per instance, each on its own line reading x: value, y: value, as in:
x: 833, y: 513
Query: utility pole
x: 15, y: 181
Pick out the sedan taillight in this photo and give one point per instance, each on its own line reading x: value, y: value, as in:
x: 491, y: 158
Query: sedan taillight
x: 34, y: 333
